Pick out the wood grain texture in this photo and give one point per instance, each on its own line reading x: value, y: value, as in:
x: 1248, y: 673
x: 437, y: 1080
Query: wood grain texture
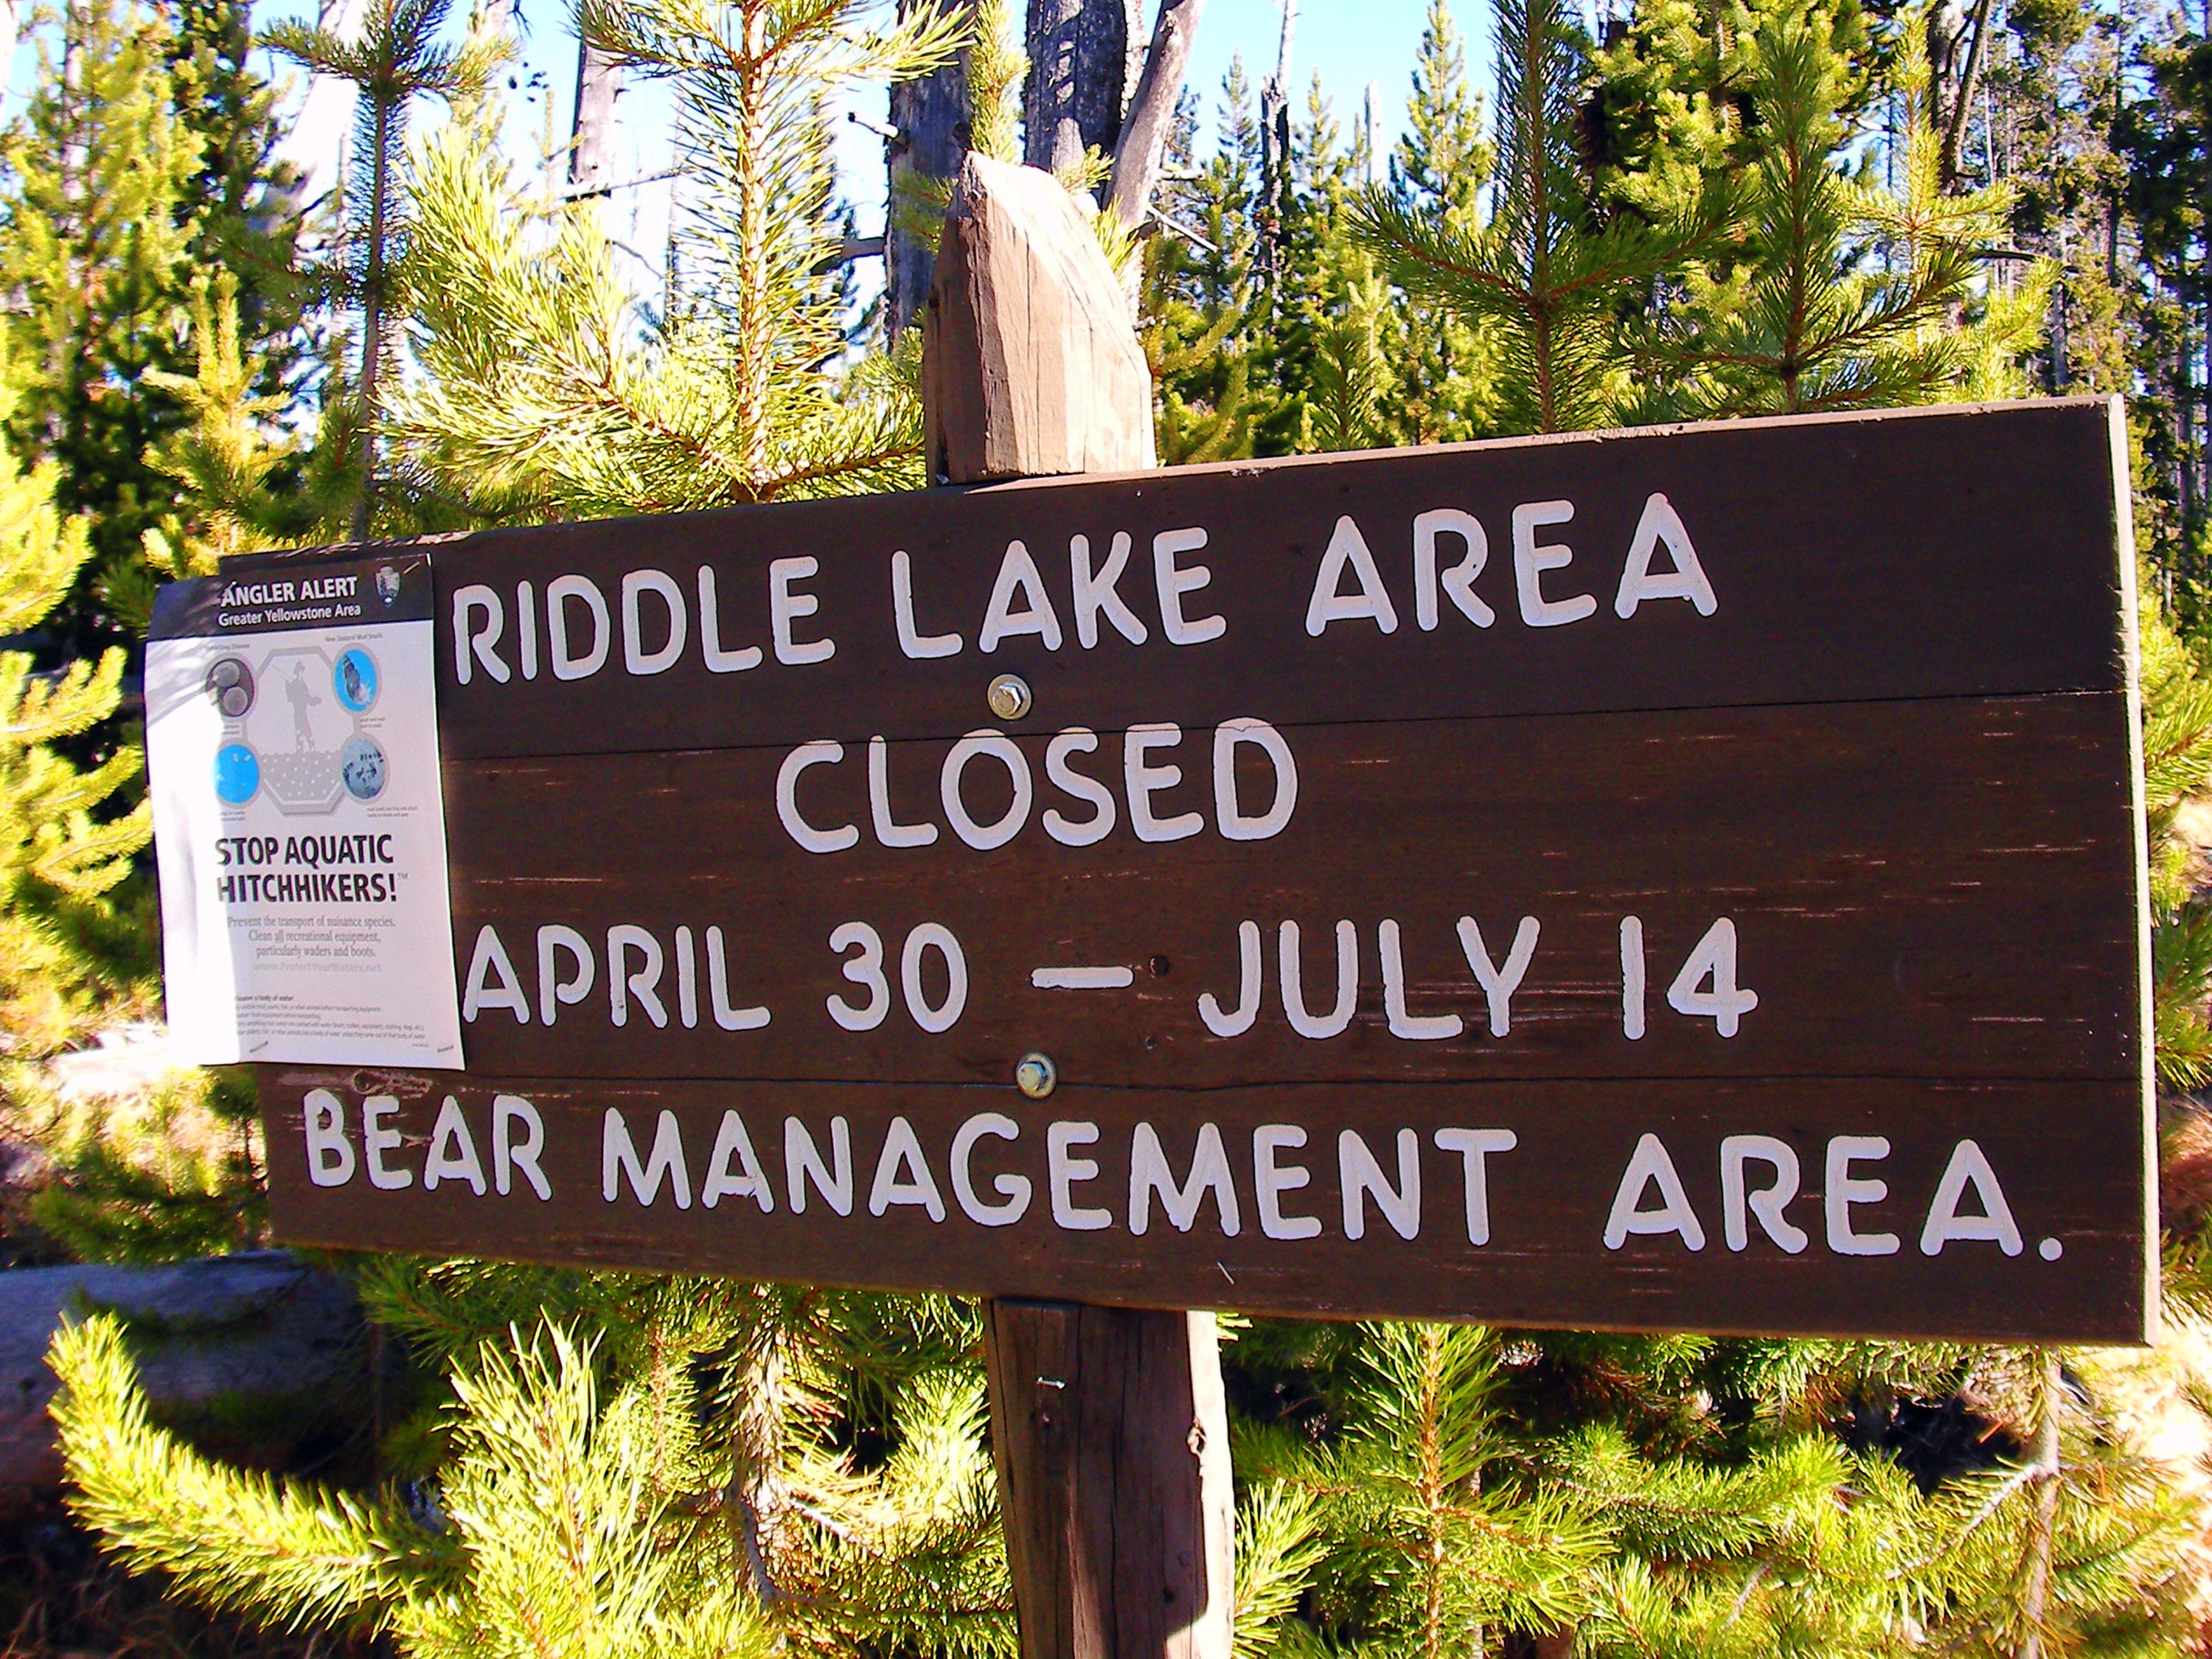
x: 1030, y: 365
x: 1101, y: 1442
x: 1922, y: 889
x: 1841, y: 575
x: 2068, y: 1155
x: 1895, y: 757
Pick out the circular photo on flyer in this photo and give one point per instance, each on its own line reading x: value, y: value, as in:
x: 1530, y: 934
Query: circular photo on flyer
x: 237, y: 774
x: 230, y: 684
x: 361, y: 763
x: 355, y: 680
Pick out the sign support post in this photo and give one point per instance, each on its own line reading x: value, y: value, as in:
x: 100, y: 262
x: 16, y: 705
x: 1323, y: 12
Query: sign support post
x: 1109, y: 1425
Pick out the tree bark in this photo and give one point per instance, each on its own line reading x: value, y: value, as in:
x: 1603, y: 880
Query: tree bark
x: 1030, y: 364
x: 1111, y: 1438
x: 256, y: 1327
x: 598, y: 79
x: 1143, y: 142
x: 1083, y: 69
x: 930, y: 115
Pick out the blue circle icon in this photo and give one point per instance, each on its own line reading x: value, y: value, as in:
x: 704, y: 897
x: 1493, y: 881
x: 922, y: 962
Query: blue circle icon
x: 237, y: 772
x: 355, y: 680
x: 361, y: 763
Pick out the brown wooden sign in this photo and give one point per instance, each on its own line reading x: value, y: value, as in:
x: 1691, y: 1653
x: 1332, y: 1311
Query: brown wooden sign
x: 1688, y: 878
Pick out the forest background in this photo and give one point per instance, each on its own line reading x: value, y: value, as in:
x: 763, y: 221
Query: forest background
x: 1684, y: 209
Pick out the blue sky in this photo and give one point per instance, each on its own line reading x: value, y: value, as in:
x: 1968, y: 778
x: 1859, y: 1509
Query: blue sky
x: 1352, y: 42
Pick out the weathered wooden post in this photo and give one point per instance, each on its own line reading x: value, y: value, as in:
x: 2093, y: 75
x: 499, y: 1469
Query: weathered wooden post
x: 1108, y: 1423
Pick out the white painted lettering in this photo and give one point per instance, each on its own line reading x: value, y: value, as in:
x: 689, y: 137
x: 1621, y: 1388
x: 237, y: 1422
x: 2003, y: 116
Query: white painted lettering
x: 820, y: 752
x: 734, y: 1170
x: 509, y: 1154
x: 618, y: 1157
x: 1650, y: 1166
x: 1290, y: 969
x: 1499, y: 983
x: 1076, y: 740
x: 376, y: 1140
x: 717, y: 660
x: 1995, y: 1224
x: 1013, y: 1190
x: 491, y: 958
x: 1063, y: 1170
x: 1531, y: 560
x: 1234, y: 823
x: 453, y: 1154
x: 1458, y: 581
x: 1172, y: 583
x: 785, y: 607
x: 1096, y: 596
x: 912, y: 641
x: 1271, y: 1179
x: 903, y: 1175
x: 1474, y: 1146
x: 1686, y: 580
x: 1238, y: 1020
x: 802, y: 1163
x: 330, y: 1154
x: 1414, y: 1028
x: 1347, y: 550
x: 635, y: 585
x: 623, y: 984
x: 730, y: 1018
x: 552, y: 989
x: 1844, y: 1190
x: 1769, y: 1202
x: 984, y: 837
x: 889, y: 831
x: 1142, y: 780
x: 1018, y: 576
x: 568, y: 664
x: 1360, y: 1176
x: 473, y: 646
x: 1150, y: 1173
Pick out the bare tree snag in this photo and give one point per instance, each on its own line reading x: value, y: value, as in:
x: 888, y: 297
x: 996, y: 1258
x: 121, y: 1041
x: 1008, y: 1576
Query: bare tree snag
x: 1083, y: 65
x: 1111, y: 1438
x: 1030, y: 365
x: 929, y: 118
x: 1144, y: 140
x: 598, y: 79
x: 256, y: 1327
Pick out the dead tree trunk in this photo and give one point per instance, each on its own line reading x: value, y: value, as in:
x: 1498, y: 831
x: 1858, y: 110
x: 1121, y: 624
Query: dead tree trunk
x: 1108, y: 1423
x: 598, y: 79
x: 1083, y: 58
x: 929, y: 134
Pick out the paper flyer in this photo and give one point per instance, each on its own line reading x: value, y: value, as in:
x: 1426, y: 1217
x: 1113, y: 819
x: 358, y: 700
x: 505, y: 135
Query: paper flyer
x: 299, y: 832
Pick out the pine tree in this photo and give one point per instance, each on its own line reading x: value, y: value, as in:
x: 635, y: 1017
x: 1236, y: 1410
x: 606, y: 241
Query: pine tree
x: 397, y: 58
x: 1846, y: 293
x: 541, y: 393
x: 65, y: 841
x: 1544, y: 273
x: 95, y: 182
x: 244, y: 199
x: 1438, y: 170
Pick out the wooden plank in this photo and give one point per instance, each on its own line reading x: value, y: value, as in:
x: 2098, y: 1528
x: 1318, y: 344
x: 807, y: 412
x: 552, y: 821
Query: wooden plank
x: 1976, y: 934
x: 1028, y: 363
x: 1099, y: 1434
x: 2063, y: 1154
x: 1839, y: 574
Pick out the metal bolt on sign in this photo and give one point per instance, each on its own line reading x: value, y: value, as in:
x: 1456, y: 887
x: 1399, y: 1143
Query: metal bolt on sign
x: 1008, y: 696
x: 1035, y: 1076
